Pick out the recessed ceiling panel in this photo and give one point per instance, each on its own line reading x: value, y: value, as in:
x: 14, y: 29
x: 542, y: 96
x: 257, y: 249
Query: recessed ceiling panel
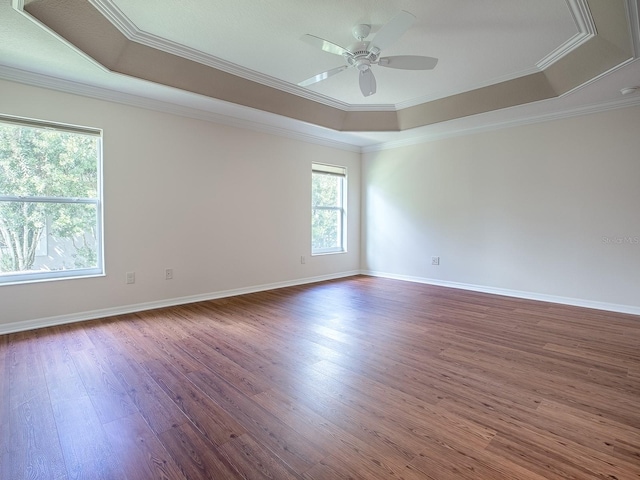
x: 477, y: 42
x: 86, y: 42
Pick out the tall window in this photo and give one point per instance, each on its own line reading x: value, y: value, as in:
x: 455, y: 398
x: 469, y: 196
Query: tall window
x: 50, y: 201
x: 328, y: 209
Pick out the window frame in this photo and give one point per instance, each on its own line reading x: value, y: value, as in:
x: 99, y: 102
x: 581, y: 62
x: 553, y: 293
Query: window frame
x: 340, y: 172
x: 43, y: 276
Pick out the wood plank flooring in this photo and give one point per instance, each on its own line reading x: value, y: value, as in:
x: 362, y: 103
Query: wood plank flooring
x: 359, y: 378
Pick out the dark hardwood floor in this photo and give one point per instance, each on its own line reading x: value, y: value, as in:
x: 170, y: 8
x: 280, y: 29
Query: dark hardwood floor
x: 361, y: 378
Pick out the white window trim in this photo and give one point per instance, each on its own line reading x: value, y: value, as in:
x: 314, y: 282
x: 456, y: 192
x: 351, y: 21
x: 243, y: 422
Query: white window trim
x: 41, y: 276
x: 338, y: 171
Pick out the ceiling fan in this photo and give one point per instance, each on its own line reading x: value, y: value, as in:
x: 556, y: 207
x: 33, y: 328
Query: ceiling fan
x: 363, y: 54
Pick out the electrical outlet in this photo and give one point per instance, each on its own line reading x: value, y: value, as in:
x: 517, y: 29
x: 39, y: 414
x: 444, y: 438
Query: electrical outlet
x: 303, y: 260
x: 131, y: 277
x: 168, y: 273
x: 435, y: 260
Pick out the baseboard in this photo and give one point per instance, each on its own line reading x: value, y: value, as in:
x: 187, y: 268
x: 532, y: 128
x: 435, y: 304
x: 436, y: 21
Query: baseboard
x: 576, y: 302
x: 139, y: 307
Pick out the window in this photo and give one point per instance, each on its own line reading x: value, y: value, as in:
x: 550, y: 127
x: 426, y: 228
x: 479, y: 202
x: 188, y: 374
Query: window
x: 328, y: 209
x: 50, y: 201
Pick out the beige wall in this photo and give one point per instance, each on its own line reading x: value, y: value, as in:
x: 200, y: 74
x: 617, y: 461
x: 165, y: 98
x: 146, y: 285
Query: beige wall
x: 226, y: 208
x: 525, y: 210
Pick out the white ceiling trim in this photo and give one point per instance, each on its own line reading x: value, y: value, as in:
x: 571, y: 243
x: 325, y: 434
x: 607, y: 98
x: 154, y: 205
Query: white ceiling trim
x: 133, y: 33
x: 599, y: 77
x: 122, y: 23
x: 586, y: 30
x: 18, y: 6
x: 100, y: 93
x: 579, y: 10
x: 251, y: 119
x: 633, y: 12
x: 633, y: 21
x: 583, y: 20
x: 633, y: 101
x: 429, y: 98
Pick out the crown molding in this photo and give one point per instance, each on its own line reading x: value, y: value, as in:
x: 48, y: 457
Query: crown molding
x: 134, y: 34
x: 246, y: 116
x: 633, y: 21
x: 599, y: 77
x: 101, y: 93
x: 579, y: 10
x: 429, y: 98
x: 633, y: 13
x: 586, y: 30
x: 118, y: 18
x: 582, y: 16
x: 583, y: 20
x: 18, y: 6
x: 488, y: 127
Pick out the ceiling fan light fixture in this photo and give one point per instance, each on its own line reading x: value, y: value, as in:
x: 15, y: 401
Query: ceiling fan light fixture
x: 363, y: 64
x: 362, y: 31
x: 363, y: 54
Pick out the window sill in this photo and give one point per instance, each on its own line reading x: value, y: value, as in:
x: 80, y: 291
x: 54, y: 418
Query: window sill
x: 332, y: 252
x: 43, y: 279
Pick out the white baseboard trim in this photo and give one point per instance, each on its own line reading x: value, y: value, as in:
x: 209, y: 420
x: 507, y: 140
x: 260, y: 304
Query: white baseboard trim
x: 576, y: 302
x: 139, y: 307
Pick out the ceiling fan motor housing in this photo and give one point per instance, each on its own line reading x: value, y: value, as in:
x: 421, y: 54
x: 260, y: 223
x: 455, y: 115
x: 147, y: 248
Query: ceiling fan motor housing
x: 361, y: 56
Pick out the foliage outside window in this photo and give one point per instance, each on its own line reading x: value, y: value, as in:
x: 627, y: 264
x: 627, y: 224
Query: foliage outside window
x: 50, y: 206
x: 328, y: 209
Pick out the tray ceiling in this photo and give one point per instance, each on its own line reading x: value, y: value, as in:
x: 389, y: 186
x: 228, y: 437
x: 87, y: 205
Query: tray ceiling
x: 477, y: 43
x: 493, y: 54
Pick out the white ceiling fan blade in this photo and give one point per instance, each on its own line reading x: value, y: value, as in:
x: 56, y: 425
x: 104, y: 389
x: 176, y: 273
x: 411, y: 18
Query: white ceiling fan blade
x: 322, y: 76
x: 325, y: 45
x: 393, y: 30
x: 408, y: 62
x: 367, y: 82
